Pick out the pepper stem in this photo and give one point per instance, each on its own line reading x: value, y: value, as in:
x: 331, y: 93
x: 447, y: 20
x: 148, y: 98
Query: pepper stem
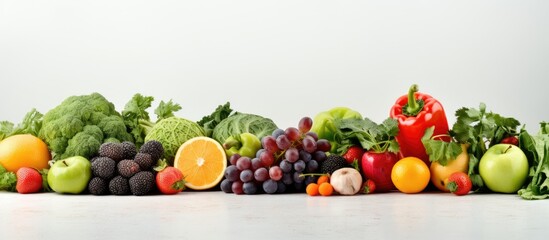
x: 412, y: 102
x: 414, y: 106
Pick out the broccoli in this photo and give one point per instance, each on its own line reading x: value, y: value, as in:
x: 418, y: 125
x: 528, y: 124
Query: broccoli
x: 80, y: 124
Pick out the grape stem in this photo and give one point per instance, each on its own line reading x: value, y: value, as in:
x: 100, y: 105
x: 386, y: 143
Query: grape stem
x: 314, y: 174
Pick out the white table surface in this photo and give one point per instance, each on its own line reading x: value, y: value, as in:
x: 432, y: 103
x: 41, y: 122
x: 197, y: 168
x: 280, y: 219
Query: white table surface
x: 216, y: 215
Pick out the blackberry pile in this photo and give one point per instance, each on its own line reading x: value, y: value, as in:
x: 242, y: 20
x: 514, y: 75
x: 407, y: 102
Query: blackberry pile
x: 120, y: 169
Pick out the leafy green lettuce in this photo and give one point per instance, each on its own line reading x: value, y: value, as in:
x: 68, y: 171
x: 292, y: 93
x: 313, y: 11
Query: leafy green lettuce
x: 8, y: 180
x: 209, y: 122
x: 536, y: 149
x: 366, y: 133
x: 31, y: 124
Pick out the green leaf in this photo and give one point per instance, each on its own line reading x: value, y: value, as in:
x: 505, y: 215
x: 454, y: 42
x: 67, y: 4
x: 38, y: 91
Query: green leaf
x: 137, y: 107
x: 452, y: 186
x: 499, y: 135
x: 480, y: 130
x: 8, y: 180
x: 368, y: 134
x: 544, y: 179
x: 538, y: 188
x: 477, y: 181
x: 528, y: 145
x: 394, y: 147
x: 31, y: 124
x: 473, y: 164
x: 507, y: 123
x: 209, y: 122
x: 462, y: 132
x: 365, y: 143
x: 390, y: 127
x: 161, y: 164
x: 5, y: 129
x: 478, y: 184
x: 45, y: 186
x: 486, y: 127
x: 528, y: 194
x: 428, y: 134
x: 438, y: 150
x: 536, y: 149
x: 355, y: 125
x: 482, y: 108
x: 544, y: 128
x: 166, y: 110
x: 136, y: 118
x: 467, y: 115
x: 406, y: 111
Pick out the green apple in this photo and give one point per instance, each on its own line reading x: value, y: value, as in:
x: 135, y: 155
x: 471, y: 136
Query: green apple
x: 504, y: 168
x: 70, y: 175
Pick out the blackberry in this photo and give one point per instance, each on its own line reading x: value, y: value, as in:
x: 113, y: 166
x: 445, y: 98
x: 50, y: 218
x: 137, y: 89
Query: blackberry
x: 332, y: 163
x: 129, y: 150
x: 98, y: 186
x: 94, y: 158
x: 103, y: 167
x: 142, y: 183
x: 119, y: 186
x: 144, y: 160
x: 127, y: 168
x: 112, y: 150
x: 153, y: 148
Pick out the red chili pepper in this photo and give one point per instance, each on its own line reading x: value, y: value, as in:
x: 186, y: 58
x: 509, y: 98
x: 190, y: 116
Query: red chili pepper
x: 416, y: 112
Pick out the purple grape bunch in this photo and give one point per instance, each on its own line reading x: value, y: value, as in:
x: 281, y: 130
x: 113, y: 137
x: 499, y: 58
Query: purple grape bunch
x: 279, y: 166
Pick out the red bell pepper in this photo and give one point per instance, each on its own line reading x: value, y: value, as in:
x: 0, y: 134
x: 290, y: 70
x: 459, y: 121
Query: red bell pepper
x: 415, y: 113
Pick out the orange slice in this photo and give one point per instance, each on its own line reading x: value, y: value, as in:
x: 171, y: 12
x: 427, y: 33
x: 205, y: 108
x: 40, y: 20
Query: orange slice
x: 202, y: 161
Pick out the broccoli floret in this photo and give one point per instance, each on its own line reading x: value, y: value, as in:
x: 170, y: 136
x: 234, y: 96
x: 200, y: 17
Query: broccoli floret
x: 113, y: 127
x: 84, y: 143
x: 80, y: 124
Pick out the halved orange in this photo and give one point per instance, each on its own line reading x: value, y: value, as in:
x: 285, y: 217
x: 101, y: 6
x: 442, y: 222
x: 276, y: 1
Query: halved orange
x: 202, y: 161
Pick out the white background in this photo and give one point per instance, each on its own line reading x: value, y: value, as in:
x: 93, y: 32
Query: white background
x: 279, y: 59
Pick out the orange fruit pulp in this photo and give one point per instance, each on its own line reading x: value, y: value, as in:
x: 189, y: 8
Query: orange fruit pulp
x: 202, y: 161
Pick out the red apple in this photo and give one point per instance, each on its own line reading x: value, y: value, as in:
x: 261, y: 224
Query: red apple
x: 377, y: 167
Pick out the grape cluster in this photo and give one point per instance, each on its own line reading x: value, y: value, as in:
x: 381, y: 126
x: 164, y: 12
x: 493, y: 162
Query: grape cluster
x: 280, y: 165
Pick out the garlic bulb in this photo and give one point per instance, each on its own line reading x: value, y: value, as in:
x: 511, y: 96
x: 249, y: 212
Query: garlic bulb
x: 346, y: 181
